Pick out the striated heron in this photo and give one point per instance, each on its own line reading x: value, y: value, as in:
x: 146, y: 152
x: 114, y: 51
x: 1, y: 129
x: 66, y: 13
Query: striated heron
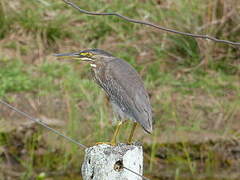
x: 122, y: 84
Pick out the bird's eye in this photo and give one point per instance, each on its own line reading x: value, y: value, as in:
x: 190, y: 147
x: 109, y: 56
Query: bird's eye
x: 86, y: 54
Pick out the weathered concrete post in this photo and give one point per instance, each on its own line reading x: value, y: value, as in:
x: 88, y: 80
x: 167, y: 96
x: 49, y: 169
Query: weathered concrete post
x: 105, y: 162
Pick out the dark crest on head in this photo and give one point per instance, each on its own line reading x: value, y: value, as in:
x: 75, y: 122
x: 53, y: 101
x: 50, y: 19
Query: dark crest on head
x: 97, y: 51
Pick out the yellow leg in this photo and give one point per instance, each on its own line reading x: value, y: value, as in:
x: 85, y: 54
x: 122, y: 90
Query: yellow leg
x: 131, y: 133
x: 114, y: 138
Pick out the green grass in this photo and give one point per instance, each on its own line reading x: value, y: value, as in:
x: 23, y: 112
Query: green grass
x: 13, y: 77
x: 193, y: 83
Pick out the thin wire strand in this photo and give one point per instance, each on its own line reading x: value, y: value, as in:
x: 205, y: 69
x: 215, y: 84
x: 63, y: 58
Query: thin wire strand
x: 151, y: 24
x: 144, y: 178
x: 38, y: 121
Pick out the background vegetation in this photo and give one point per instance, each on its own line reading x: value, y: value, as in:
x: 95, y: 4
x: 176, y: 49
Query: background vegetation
x: 194, y: 85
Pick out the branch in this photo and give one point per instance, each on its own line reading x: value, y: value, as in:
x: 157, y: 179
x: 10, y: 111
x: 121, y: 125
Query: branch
x: 151, y: 24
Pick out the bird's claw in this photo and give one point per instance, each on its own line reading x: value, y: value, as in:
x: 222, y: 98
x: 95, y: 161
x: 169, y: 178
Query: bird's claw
x: 109, y: 143
x: 129, y: 143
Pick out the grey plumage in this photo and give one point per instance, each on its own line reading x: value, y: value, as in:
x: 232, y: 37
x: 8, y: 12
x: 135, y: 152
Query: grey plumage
x: 122, y: 84
x: 126, y: 91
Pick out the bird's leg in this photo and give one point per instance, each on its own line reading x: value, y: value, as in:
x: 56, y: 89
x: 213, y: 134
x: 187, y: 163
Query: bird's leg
x: 114, y: 138
x: 131, y: 133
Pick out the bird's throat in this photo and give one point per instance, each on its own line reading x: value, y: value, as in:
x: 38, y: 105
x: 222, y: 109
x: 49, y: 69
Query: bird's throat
x: 93, y: 65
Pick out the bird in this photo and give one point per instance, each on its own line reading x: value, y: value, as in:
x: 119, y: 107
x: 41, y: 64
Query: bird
x: 122, y: 84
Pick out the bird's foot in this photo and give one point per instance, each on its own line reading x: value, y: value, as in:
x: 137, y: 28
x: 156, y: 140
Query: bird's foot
x: 109, y: 143
x: 128, y: 143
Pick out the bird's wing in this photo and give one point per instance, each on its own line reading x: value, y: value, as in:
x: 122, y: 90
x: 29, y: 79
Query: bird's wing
x: 125, y: 85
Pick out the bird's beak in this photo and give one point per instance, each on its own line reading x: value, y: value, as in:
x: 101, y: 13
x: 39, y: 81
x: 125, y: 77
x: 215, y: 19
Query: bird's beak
x: 74, y: 56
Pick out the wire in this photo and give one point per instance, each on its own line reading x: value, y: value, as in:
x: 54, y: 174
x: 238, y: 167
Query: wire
x: 150, y: 24
x: 144, y: 178
x: 38, y: 121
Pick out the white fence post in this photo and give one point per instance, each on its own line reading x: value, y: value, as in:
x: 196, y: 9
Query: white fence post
x: 105, y: 162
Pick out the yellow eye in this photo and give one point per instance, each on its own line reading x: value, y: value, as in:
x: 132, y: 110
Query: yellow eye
x: 86, y: 54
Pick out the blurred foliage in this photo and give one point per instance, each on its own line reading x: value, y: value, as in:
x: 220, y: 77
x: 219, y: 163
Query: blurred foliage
x: 13, y: 78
